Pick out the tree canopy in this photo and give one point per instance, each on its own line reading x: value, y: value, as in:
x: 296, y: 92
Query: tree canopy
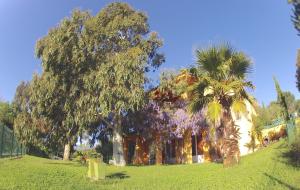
x: 281, y: 99
x: 94, y: 70
x: 6, y: 114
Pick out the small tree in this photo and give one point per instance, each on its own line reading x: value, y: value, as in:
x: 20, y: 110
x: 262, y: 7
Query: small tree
x: 281, y: 99
x: 31, y: 131
x: 23, y: 123
x: 7, y: 114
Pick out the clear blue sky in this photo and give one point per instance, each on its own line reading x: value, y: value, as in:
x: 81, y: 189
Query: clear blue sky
x: 262, y: 29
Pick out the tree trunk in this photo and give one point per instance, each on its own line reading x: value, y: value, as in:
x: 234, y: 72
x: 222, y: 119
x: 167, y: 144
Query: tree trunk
x: 118, y: 153
x: 230, y: 150
x: 179, y: 151
x: 145, y: 153
x: 187, y: 147
x: 158, y: 149
x: 138, y: 160
x: 125, y: 149
x: 67, y: 151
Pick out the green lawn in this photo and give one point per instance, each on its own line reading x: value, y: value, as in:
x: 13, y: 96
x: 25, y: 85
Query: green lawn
x: 265, y: 169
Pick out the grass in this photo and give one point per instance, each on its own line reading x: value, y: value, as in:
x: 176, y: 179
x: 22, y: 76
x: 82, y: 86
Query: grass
x: 265, y: 169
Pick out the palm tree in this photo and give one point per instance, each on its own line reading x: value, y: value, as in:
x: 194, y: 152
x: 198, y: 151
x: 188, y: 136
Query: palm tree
x: 220, y: 89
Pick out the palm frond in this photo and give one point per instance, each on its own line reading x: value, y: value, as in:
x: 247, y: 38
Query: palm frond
x: 198, y: 103
x: 209, y: 60
x: 239, y: 107
x: 240, y: 65
x: 214, y: 110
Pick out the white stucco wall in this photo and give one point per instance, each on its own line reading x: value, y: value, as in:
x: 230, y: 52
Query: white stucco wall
x: 244, y: 122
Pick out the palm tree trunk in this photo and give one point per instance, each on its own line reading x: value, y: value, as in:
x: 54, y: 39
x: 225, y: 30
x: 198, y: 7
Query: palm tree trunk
x: 230, y: 146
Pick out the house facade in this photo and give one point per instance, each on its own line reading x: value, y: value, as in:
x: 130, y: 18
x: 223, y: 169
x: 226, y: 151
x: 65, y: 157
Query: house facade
x: 194, y: 147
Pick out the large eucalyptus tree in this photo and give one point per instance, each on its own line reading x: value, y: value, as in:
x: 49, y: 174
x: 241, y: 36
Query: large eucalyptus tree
x: 63, y: 52
x: 94, y: 71
x: 122, y: 50
x: 220, y: 89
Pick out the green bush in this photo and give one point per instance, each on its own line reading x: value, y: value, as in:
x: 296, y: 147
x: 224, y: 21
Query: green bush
x: 83, y: 156
x: 294, y: 153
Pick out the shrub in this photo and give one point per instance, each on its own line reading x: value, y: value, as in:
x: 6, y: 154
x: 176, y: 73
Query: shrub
x: 271, y: 135
x: 294, y: 152
x: 282, y: 132
x: 83, y: 156
x: 275, y: 136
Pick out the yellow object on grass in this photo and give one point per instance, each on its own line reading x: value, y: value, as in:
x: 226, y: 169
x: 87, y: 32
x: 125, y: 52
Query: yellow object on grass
x: 96, y: 169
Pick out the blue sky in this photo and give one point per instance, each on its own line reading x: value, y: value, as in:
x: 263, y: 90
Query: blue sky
x: 262, y: 29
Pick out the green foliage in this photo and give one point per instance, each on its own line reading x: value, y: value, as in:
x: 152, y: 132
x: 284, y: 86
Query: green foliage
x: 79, y: 157
x: 214, y: 110
x: 298, y: 68
x: 256, y: 138
x: 264, y: 169
x: 268, y: 114
x: 256, y: 131
x: 6, y: 114
x: 221, y: 76
x: 167, y: 83
x: 281, y: 99
x: 84, y: 155
x: 23, y: 127
x: 296, y: 14
x: 294, y: 153
x: 116, y: 83
x: 274, y: 110
x: 239, y: 107
x: 94, y: 71
x: 296, y: 22
x: 56, y: 92
x: 291, y: 102
x: 30, y: 130
x: 252, y: 145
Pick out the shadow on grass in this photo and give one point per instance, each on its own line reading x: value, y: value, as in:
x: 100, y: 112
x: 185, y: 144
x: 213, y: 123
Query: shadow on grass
x: 292, y: 158
x: 288, y: 154
x: 281, y: 182
x: 118, y: 175
x: 16, y: 157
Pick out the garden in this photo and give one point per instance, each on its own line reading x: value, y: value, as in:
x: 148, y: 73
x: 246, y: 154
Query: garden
x: 268, y: 168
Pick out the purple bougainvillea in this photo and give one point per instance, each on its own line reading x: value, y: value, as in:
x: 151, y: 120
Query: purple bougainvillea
x: 182, y: 120
x: 171, y: 120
